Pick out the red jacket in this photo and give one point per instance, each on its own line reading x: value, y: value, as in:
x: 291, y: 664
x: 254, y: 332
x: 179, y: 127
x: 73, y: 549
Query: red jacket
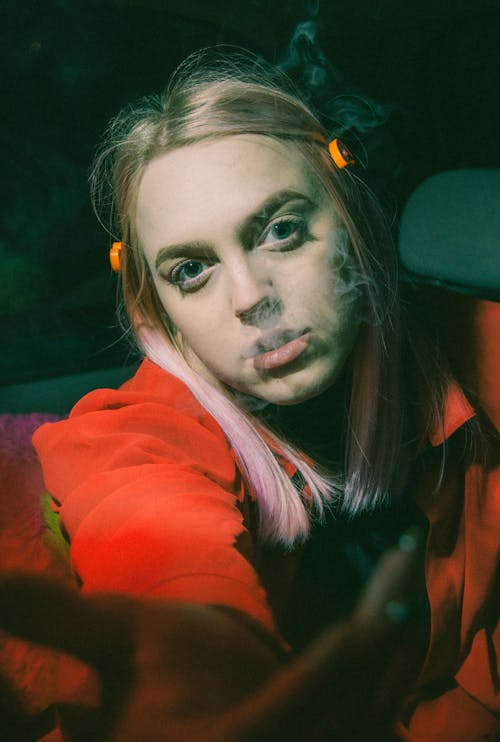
x: 154, y: 506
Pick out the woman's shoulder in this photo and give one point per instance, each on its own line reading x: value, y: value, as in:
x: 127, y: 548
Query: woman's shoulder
x: 152, y: 418
x: 151, y: 397
x: 150, y: 385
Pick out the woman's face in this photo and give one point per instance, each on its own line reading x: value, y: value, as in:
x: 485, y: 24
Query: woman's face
x: 248, y: 257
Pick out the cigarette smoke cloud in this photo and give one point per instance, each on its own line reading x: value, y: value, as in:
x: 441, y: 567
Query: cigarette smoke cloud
x: 307, y: 64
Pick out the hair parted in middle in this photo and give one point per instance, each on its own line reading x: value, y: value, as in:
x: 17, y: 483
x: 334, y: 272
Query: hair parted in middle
x: 225, y: 92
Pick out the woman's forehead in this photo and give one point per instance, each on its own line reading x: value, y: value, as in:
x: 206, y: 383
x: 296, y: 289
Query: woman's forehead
x: 241, y: 155
x: 232, y: 174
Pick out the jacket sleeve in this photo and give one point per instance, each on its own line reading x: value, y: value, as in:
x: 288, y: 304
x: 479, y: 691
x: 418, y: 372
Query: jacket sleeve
x: 149, y: 497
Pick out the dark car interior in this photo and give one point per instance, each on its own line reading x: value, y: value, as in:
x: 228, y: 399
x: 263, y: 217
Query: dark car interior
x: 69, y: 65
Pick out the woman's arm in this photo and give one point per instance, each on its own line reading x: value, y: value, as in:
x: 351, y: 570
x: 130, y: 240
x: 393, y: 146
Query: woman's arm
x: 175, y: 671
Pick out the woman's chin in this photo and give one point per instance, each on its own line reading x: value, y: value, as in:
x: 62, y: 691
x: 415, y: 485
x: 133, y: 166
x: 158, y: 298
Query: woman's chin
x: 284, y: 394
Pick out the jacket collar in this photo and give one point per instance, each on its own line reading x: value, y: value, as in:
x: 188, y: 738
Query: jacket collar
x: 457, y: 411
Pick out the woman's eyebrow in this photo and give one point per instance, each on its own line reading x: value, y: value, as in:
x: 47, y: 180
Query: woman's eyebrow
x: 180, y: 250
x: 256, y: 220
x: 246, y: 231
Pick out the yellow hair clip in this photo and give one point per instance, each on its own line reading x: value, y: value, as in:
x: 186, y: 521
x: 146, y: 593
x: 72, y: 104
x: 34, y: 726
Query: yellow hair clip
x: 339, y: 153
x: 115, y: 256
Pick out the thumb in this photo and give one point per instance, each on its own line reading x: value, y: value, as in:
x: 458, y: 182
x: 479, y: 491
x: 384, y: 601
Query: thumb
x: 395, y: 600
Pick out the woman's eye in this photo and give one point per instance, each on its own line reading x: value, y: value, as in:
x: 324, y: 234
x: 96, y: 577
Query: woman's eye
x: 285, y: 233
x: 190, y: 274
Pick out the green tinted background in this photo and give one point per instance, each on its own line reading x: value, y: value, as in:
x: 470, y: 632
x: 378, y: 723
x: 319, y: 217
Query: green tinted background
x: 67, y: 67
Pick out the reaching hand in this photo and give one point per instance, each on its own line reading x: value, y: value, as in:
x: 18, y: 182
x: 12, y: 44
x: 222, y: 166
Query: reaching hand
x: 181, y: 672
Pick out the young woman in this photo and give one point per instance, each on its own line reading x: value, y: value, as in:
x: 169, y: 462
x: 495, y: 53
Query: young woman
x: 232, y: 499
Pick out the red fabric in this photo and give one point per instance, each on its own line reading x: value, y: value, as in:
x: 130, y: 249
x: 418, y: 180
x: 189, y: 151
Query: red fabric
x: 463, y: 588
x: 158, y: 512
x: 25, y: 545
x: 487, y: 354
x: 462, y: 570
x: 152, y: 502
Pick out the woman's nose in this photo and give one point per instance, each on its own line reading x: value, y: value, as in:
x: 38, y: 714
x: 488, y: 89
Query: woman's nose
x: 253, y: 295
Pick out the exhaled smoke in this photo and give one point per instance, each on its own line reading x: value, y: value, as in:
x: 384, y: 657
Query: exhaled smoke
x: 265, y: 314
x: 306, y: 61
x: 308, y: 65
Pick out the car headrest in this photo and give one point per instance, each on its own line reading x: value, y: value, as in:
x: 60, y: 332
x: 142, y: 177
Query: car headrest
x: 450, y: 232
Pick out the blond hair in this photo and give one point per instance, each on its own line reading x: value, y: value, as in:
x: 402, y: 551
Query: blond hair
x: 218, y: 94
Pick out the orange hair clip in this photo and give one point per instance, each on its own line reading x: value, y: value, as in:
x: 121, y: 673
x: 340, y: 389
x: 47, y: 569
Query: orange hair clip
x: 115, y: 256
x: 340, y: 154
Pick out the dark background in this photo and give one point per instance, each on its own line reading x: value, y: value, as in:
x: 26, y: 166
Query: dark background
x: 67, y: 66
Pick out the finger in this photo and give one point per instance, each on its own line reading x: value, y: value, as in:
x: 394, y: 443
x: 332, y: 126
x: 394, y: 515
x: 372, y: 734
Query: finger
x: 396, y: 592
x: 47, y: 611
x: 395, y: 607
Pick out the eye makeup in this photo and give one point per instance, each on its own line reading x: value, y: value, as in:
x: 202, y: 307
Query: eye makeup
x: 280, y: 224
x: 191, y: 274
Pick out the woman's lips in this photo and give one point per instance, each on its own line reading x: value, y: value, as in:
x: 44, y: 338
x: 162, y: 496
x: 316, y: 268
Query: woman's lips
x: 286, y: 353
